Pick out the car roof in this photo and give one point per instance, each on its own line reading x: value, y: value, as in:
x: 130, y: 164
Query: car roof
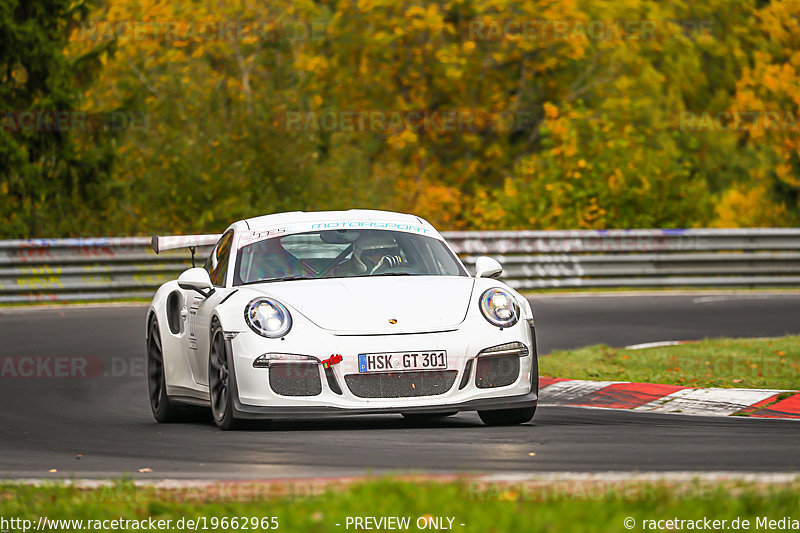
x: 294, y: 217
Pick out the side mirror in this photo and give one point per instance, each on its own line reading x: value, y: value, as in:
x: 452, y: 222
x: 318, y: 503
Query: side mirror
x: 196, y: 279
x: 486, y: 267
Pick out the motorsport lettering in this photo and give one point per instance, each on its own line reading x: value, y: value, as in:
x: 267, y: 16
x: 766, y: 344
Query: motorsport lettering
x: 357, y: 224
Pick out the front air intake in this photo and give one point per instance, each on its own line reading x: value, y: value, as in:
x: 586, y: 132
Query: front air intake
x: 401, y: 384
x: 498, y: 366
x: 295, y: 379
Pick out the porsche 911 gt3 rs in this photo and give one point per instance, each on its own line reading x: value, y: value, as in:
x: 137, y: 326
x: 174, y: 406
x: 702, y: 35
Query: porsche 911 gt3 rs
x: 311, y: 314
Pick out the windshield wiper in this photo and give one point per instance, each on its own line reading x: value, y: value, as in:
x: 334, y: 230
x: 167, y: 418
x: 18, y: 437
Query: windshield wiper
x: 270, y: 280
x: 392, y: 274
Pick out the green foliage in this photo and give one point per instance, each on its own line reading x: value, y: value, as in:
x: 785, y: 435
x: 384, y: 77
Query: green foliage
x: 47, y: 178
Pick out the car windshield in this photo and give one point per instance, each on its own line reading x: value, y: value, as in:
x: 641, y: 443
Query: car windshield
x: 344, y: 253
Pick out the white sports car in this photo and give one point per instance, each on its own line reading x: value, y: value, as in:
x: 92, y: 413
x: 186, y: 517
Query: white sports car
x: 338, y: 313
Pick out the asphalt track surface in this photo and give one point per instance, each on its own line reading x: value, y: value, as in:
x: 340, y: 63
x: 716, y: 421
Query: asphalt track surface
x: 102, y: 426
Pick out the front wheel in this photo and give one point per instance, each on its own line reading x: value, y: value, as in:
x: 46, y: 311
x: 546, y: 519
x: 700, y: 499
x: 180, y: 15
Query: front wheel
x: 219, y: 382
x: 507, y: 417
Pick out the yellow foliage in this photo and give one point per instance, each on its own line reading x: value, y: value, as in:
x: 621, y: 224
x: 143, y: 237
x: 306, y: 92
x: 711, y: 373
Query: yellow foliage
x: 742, y: 207
x: 438, y: 204
x: 595, y: 145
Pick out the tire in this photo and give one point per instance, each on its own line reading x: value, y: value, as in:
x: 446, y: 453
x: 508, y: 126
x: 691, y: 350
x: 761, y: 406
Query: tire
x: 164, y: 410
x: 425, y: 417
x: 220, y: 393
x: 507, y: 417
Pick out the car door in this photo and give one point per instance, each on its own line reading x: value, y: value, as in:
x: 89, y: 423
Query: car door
x: 200, y: 309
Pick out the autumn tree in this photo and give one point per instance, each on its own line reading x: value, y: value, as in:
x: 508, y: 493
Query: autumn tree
x: 767, y: 105
x: 49, y: 174
x: 565, y: 114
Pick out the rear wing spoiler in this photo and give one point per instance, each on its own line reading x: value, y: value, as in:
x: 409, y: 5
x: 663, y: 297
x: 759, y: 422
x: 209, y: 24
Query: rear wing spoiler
x: 173, y: 242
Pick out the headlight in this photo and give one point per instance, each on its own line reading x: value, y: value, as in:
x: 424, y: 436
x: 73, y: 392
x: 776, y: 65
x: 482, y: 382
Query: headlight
x: 268, y: 317
x: 499, y: 307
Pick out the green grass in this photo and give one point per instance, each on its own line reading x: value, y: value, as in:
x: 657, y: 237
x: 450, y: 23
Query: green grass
x: 740, y: 363
x: 563, y: 506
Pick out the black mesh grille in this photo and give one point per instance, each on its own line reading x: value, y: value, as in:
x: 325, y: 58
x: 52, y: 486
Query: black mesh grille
x: 295, y: 379
x: 492, y: 372
x: 401, y: 384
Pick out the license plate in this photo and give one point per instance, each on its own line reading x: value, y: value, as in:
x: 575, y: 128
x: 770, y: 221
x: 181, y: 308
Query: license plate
x: 399, y: 361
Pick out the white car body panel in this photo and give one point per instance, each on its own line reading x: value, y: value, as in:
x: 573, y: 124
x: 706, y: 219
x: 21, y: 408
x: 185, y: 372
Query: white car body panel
x: 346, y: 316
x: 419, y: 303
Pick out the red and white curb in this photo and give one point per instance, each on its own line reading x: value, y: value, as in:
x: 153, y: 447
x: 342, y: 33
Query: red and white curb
x: 657, y: 398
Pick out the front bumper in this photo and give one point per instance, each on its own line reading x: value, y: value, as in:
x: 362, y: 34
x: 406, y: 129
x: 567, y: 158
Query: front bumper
x: 482, y: 404
x: 254, y: 397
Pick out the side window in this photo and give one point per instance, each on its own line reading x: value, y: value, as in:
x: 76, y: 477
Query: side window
x: 217, y: 264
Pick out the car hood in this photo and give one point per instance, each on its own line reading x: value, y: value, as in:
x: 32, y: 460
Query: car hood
x: 367, y: 305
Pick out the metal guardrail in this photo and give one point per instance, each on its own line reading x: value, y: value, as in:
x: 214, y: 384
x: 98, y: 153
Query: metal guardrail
x: 126, y: 267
